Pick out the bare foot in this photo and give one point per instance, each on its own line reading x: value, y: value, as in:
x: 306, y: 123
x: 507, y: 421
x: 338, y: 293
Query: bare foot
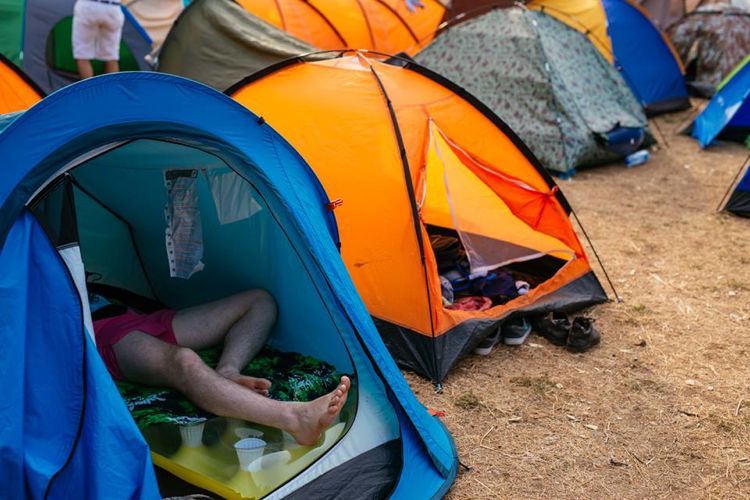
x: 311, y: 419
x: 259, y: 385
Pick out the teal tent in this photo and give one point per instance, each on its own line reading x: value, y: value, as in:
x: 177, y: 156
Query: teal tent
x: 82, y: 203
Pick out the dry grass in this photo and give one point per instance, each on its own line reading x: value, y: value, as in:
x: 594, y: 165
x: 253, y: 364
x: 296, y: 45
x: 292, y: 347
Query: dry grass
x: 662, y: 407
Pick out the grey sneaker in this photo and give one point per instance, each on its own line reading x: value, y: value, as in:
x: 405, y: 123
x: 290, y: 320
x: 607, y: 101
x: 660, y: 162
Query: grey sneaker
x: 515, y: 331
x: 485, y: 347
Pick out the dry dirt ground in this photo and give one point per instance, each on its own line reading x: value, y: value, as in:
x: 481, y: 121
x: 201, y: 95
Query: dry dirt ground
x: 662, y: 408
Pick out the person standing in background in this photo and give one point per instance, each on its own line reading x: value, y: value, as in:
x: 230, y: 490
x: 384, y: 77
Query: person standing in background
x: 97, y: 30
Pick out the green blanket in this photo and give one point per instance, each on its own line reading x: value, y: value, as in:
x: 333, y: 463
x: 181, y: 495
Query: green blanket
x: 294, y: 377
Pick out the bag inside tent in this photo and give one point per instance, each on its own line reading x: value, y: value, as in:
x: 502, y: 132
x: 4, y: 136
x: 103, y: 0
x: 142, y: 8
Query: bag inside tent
x: 108, y: 216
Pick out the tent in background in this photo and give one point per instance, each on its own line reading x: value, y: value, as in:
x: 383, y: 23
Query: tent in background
x: 627, y: 38
x: 545, y: 79
x: 156, y: 17
x: 738, y: 201
x: 73, y: 164
x: 36, y: 36
x: 17, y: 91
x: 664, y: 13
x: 415, y: 158
x: 711, y: 41
x: 388, y: 26
x: 727, y: 115
x: 217, y: 42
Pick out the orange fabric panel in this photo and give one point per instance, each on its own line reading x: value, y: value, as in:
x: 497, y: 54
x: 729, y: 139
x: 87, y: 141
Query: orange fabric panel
x: 297, y: 18
x: 586, y: 16
x: 423, y: 22
x: 466, y: 198
x: 268, y: 10
x: 352, y: 149
x: 390, y: 32
x: 418, y: 99
x: 15, y: 93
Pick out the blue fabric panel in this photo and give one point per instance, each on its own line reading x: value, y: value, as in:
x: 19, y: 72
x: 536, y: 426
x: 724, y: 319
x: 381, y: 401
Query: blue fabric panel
x: 80, y: 118
x: 643, y: 58
x: 45, y: 397
x: 744, y: 184
x: 731, y: 100
x: 742, y: 117
x: 419, y: 478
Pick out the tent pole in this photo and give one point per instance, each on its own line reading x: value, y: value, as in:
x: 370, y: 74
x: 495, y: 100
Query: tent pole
x: 618, y: 299
x: 415, y: 217
x: 661, y: 133
x: 734, y: 182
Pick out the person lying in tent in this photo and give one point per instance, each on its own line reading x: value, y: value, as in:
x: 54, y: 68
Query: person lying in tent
x: 159, y: 349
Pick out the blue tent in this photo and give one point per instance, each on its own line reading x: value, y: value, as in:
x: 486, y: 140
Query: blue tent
x: 83, y: 189
x: 645, y: 58
x: 728, y: 113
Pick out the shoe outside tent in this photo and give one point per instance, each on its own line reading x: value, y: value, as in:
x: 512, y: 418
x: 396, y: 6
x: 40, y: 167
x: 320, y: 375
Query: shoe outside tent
x: 217, y: 42
x: 625, y: 36
x: 17, y: 91
x: 547, y: 81
x: 712, y: 40
x: 98, y: 177
x: 727, y: 115
x: 36, y: 36
x: 412, y: 156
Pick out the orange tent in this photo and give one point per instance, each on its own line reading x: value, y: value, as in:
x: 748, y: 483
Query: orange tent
x: 17, y: 91
x: 413, y: 156
x: 381, y: 25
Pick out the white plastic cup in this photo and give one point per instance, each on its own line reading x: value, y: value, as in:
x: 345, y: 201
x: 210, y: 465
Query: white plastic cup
x: 192, y: 435
x: 248, y: 450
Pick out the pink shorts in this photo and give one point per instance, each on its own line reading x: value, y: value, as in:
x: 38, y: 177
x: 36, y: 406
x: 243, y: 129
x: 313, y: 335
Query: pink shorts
x: 110, y: 331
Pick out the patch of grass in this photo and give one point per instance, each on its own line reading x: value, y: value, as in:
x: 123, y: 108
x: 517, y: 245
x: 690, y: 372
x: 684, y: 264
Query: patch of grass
x: 539, y: 385
x: 734, y: 284
x: 644, y: 385
x: 468, y: 401
x: 641, y: 309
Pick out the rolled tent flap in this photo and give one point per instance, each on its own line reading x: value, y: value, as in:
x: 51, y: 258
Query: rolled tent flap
x: 67, y: 433
x: 454, y: 197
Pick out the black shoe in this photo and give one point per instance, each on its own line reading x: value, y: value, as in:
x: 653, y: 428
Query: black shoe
x: 554, y: 327
x: 583, y: 335
x: 485, y: 347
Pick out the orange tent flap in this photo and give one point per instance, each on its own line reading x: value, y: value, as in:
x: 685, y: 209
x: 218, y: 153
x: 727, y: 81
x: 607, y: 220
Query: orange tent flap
x: 586, y: 16
x: 15, y: 93
x: 492, y: 235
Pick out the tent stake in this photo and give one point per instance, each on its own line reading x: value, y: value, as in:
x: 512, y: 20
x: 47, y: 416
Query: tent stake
x: 618, y: 299
x: 734, y: 181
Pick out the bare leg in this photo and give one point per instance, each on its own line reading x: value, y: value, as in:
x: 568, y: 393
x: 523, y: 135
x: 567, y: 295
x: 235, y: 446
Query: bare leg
x: 84, y: 68
x: 243, y: 321
x: 111, y: 66
x: 147, y: 360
